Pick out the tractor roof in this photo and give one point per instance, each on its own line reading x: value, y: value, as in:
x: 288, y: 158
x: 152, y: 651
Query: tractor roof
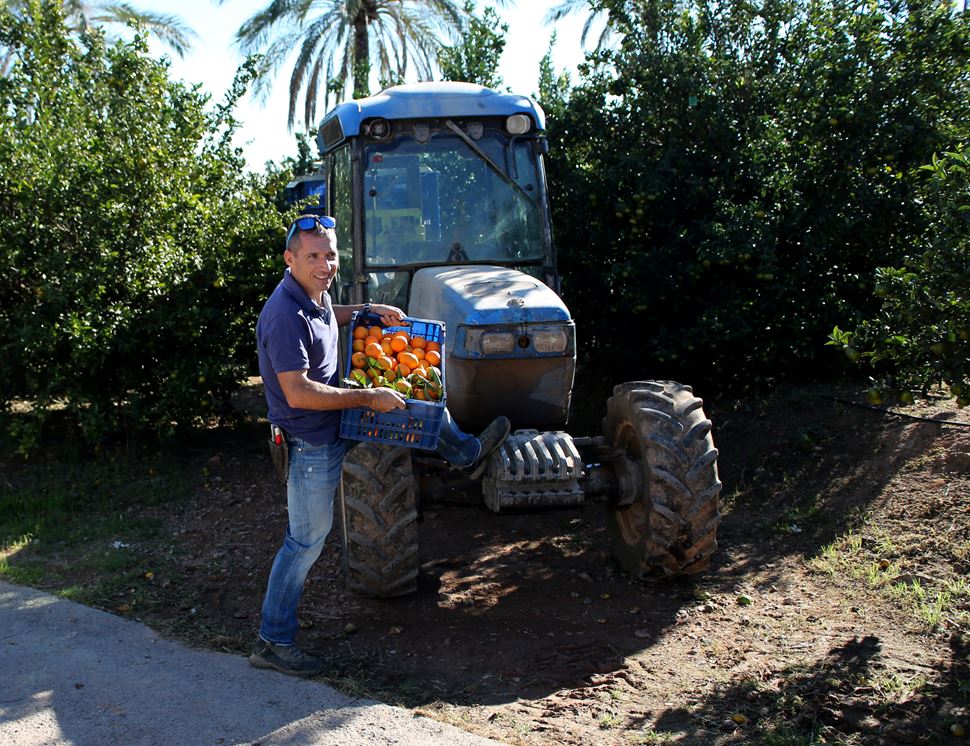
x: 425, y: 101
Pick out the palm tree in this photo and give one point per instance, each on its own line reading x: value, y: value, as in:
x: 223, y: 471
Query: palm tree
x: 81, y: 16
x: 332, y: 39
x: 568, y: 7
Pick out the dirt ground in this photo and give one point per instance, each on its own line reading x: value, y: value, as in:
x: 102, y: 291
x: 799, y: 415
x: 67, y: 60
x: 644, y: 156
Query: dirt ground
x: 835, y: 611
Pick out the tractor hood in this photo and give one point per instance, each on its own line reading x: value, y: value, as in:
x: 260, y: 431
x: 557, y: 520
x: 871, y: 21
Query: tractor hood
x: 483, y: 295
x: 509, y: 342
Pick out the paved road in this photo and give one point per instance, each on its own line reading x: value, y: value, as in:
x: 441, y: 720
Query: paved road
x: 74, y: 675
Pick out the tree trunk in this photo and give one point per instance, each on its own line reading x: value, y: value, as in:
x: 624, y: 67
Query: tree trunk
x: 361, y: 71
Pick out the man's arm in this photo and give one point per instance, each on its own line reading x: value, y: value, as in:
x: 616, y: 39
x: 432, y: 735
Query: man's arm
x: 390, y: 315
x: 302, y: 393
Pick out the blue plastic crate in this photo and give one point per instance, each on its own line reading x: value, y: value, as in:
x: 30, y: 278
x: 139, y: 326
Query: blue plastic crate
x: 416, y: 426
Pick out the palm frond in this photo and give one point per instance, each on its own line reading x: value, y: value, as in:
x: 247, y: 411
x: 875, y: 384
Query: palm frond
x: 169, y: 29
x: 321, y: 34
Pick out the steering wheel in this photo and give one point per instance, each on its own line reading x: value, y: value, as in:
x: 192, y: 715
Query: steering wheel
x: 457, y: 253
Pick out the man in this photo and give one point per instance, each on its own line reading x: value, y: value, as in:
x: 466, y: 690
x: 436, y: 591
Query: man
x: 297, y: 341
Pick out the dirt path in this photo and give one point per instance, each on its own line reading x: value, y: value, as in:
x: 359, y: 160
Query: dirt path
x: 810, y: 627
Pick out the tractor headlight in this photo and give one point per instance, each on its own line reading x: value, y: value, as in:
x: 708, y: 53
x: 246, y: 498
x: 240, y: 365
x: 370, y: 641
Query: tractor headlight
x: 550, y: 340
x: 518, y: 124
x: 497, y: 343
x: 516, y: 342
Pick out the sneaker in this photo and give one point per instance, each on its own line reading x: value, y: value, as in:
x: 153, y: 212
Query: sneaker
x: 288, y: 659
x: 491, y: 438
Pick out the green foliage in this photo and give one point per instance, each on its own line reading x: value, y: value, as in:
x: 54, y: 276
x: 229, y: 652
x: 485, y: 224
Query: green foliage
x: 553, y: 89
x: 135, y: 249
x: 475, y: 58
x: 727, y: 180
x: 921, y: 333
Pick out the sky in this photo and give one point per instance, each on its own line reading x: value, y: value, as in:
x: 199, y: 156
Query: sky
x: 264, y: 136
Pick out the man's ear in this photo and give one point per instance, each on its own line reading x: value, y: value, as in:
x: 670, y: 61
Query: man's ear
x: 288, y: 257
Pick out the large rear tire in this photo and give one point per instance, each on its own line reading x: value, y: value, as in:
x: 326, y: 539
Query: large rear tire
x: 659, y: 434
x: 378, y: 498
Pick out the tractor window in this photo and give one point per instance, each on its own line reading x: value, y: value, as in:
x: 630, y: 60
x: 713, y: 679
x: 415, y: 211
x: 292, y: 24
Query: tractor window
x: 441, y: 203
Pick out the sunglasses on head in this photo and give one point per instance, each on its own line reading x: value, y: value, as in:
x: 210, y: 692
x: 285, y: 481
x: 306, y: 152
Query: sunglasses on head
x: 310, y: 223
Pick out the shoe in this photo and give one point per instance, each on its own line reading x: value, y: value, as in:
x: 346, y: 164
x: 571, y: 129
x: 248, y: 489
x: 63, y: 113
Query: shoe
x: 491, y: 438
x: 288, y: 659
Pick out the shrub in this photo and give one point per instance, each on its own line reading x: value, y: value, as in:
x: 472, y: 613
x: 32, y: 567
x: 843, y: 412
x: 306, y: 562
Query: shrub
x: 726, y: 181
x: 921, y: 333
x: 135, y: 249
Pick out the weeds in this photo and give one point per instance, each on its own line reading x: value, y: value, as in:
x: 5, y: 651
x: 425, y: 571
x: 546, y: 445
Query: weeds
x: 75, y: 525
x: 866, y: 560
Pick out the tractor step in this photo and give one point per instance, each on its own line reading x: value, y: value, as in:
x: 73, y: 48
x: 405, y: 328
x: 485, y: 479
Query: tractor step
x: 534, y: 469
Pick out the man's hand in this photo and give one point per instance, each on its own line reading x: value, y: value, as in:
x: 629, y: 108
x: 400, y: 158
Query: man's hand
x: 390, y: 315
x: 384, y: 399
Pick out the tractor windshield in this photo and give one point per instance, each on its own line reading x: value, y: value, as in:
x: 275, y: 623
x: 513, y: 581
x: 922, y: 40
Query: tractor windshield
x: 441, y: 202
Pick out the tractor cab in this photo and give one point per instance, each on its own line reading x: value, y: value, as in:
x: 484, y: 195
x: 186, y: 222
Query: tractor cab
x: 437, y: 174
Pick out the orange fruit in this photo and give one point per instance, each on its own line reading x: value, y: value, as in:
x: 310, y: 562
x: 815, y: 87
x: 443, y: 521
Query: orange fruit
x: 360, y: 377
x: 370, y: 340
x: 360, y: 332
x: 417, y: 393
x: 418, y: 343
x: 403, y: 386
x: 358, y: 360
x: 386, y: 346
x: 403, y: 370
x: 385, y: 363
x: 418, y: 352
x: 433, y: 357
x: 375, y: 331
x: 373, y: 373
x: 432, y: 346
x: 374, y: 350
x: 408, y: 359
x: 398, y: 342
x: 358, y: 345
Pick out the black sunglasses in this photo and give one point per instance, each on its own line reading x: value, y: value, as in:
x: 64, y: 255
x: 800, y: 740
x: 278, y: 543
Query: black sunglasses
x: 310, y: 223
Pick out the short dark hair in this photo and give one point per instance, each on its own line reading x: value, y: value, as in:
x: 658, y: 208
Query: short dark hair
x: 315, y: 224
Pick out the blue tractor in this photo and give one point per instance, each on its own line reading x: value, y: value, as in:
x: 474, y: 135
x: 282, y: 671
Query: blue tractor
x: 439, y: 194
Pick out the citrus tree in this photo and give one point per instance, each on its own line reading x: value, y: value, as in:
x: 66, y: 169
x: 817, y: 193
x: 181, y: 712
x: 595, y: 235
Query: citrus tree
x: 475, y: 58
x: 726, y: 180
x: 920, y: 335
x: 135, y: 251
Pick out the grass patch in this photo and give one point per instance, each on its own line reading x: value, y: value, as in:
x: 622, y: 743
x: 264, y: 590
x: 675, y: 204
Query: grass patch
x: 84, y: 527
x: 875, y: 563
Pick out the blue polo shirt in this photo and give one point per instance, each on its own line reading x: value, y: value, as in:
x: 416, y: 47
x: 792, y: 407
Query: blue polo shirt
x: 294, y: 333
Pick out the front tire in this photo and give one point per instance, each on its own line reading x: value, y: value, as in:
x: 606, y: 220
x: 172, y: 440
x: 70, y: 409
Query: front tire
x: 658, y: 433
x: 378, y: 497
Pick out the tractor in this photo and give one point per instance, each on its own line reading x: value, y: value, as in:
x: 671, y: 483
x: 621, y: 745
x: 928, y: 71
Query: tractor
x: 439, y: 193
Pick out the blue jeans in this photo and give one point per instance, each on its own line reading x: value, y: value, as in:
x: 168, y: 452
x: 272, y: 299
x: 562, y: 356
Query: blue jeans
x: 454, y: 446
x: 312, y: 482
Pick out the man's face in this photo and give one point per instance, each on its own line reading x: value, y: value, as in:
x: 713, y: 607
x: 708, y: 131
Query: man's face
x: 312, y: 259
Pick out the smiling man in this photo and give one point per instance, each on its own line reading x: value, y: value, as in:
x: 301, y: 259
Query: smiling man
x: 297, y: 341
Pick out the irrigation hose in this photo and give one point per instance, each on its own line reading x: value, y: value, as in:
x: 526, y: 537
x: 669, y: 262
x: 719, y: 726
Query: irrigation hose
x: 917, y: 418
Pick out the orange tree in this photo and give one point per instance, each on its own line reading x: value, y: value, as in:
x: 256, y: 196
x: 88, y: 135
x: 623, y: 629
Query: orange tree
x: 728, y: 178
x: 920, y: 335
x: 135, y: 248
